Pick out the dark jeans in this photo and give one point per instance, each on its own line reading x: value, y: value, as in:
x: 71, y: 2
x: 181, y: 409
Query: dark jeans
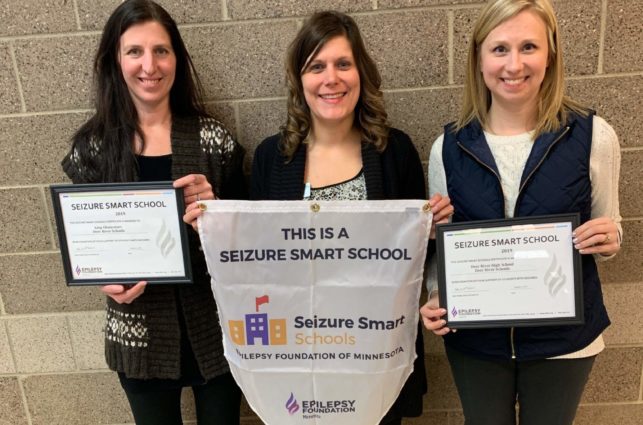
x: 547, y: 391
x: 217, y: 403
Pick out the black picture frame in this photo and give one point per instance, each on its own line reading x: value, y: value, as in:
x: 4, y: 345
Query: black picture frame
x: 578, y: 317
x: 57, y: 191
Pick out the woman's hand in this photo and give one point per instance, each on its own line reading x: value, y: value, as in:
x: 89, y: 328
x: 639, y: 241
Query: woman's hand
x: 195, y: 188
x: 124, y: 294
x: 597, y: 236
x: 432, y: 316
x: 442, y: 209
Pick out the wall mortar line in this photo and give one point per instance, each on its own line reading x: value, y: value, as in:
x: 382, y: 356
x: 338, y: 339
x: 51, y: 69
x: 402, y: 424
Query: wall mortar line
x: 25, y: 403
x: 3, y: 312
x: 14, y: 63
x: 72, y: 344
x: 641, y: 386
x: 375, y: 4
x: 601, y: 37
x: 15, y: 254
x: 77, y: 15
x: 225, y: 13
x: 450, y: 41
x: 52, y: 235
x: 46, y: 113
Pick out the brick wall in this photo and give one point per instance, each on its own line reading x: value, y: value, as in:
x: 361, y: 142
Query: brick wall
x: 51, y: 364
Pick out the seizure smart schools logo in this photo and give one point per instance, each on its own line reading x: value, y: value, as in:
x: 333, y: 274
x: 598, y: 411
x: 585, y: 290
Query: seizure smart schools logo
x: 258, y: 326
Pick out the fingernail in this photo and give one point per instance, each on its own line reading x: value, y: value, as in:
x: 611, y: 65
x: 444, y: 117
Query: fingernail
x: 574, y: 233
x: 575, y: 240
x: 577, y: 246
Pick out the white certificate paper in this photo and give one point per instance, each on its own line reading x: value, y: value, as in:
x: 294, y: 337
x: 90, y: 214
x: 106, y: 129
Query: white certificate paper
x: 515, y: 274
x: 121, y: 234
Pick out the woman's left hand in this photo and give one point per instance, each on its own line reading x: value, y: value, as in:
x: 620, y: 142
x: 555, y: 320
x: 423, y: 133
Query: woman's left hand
x: 195, y: 188
x: 597, y: 236
x: 442, y: 209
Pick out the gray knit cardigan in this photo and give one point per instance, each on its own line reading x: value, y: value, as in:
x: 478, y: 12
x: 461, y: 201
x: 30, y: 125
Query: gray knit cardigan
x: 142, y: 339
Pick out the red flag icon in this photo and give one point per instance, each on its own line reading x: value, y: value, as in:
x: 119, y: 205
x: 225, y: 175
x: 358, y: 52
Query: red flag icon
x: 261, y: 300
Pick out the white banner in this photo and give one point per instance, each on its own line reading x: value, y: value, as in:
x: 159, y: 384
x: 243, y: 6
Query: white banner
x: 318, y: 302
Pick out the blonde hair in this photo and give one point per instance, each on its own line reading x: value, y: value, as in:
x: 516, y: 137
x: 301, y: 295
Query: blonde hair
x: 554, y: 106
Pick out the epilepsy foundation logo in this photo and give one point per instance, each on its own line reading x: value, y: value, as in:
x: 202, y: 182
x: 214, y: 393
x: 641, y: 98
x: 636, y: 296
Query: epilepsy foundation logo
x: 291, y: 405
x: 257, y: 326
x: 88, y: 270
x: 454, y: 311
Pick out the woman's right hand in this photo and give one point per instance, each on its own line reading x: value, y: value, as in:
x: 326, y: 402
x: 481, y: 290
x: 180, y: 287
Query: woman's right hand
x: 432, y: 316
x: 124, y: 294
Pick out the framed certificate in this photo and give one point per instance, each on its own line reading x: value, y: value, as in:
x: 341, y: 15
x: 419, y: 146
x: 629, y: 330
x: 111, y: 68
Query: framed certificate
x: 513, y: 272
x: 122, y: 233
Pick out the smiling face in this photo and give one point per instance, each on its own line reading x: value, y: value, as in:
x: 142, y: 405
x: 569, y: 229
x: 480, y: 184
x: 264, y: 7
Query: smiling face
x: 148, y: 64
x: 513, y: 60
x: 331, y: 83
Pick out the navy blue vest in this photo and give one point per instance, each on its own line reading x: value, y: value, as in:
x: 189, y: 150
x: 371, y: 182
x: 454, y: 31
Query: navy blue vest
x: 555, y: 180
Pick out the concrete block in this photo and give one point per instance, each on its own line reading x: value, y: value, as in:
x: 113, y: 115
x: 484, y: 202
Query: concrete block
x: 24, y: 221
x: 32, y: 148
x: 12, y: 412
x: 623, y: 37
x: 253, y: 9
x: 224, y: 112
x: 88, y: 340
x: 623, y: 305
x: 94, y: 13
x: 617, y: 99
x: 627, y: 265
x: 36, y: 284
x: 56, y: 73
x: 422, y: 114
x: 463, y: 23
x: 410, y: 48
x: 616, y: 376
x: 580, y: 25
x: 394, y: 4
x: 6, y: 359
x: 258, y: 120
x: 41, y: 344
x: 621, y: 414
x: 77, y: 399
x: 631, y: 201
x: 9, y: 95
x: 36, y: 17
x: 241, y: 60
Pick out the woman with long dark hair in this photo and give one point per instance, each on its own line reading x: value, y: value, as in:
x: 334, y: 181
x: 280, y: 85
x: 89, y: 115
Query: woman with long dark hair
x: 337, y: 144
x: 150, y: 125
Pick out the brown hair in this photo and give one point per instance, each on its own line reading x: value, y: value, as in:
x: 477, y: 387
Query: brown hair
x: 370, y: 115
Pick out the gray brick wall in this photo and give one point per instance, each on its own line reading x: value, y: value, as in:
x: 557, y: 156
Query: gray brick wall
x: 51, y: 363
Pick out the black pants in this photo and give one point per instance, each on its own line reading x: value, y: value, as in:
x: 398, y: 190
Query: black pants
x: 547, y: 391
x: 217, y: 403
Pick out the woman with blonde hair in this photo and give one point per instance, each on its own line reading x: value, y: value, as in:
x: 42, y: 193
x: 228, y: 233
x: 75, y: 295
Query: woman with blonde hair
x: 521, y: 147
x: 337, y: 145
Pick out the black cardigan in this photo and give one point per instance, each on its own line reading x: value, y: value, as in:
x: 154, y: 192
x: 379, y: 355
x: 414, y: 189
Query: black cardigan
x: 142, y: 339
x: 395, y: 173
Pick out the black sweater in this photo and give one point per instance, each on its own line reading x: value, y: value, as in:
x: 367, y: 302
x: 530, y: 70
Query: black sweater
x: 142, y: 339
x: 395, y: 173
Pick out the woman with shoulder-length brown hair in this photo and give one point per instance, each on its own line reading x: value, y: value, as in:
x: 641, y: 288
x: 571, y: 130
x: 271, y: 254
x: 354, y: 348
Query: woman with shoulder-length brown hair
x: 522, y: 148
x: 337, y: 145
